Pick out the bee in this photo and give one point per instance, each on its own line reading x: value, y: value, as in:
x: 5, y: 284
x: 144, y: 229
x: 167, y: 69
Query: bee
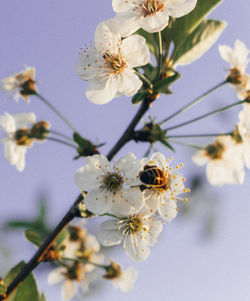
x: 154, y: 177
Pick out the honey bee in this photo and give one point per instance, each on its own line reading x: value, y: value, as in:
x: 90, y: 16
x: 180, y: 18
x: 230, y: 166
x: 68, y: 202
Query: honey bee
x: 154, y: 177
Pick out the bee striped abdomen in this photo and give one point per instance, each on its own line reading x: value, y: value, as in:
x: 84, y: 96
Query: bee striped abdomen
x: 153, y: 176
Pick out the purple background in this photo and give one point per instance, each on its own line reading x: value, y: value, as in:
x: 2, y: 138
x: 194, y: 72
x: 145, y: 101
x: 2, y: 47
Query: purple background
x: 48, y: 35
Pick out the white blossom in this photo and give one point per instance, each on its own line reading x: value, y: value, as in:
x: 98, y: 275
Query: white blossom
x: 123, y: 279
x: 73, y: 278
x: 16, y: 141
x: 109, y: 189
x: 163, y: 197
x: 20, y: 85
x: 137, y: 231
x: 224, y: 161
x: 109, y: 65
x: 150, y: 15
x: 238, y: 58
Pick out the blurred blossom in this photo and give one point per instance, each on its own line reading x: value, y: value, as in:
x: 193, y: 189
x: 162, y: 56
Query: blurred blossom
x: 20, y: 85
x: 17, y: 139
x: 224, y: 161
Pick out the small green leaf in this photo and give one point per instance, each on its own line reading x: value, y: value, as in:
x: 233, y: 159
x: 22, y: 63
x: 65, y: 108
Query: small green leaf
x: 60, y: 238
x: 163, y: 85
x: 150, y: 72
x: 185, y: 25
x: 198, y: 42
x: 27, y: 290
x: 164, y: 142
x: 78, y: 139
x: 33, y: 237
x: 138, y: 97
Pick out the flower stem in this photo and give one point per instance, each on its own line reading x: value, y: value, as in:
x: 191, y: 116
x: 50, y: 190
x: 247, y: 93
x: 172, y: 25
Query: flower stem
x: 186, y: 144
x: 200, y: 135
x: 56, y: 111
x: 60, y: 134
x: 85, y: 261
x: 206, y: 115
x: 160, y: 56
x: 39, y: 255
x: 194, y: 102
x: 55, y: 140
x: 144, y: 79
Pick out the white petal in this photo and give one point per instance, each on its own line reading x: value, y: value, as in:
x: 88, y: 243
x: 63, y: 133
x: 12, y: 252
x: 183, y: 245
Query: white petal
x: 56, y: 275
x: 136, y: 248
x: 101, y: 91
x: 88, y: 63
x: 107, y: 36
x: 179, y: 8
x: 127, y: 279
x: 155, y: 228
x: 108, y: 233
x: 200, y: 158
x: 7, y: 122
x: 10, y: 152
x: 168, y: 210
x: 127, y: 201
x: 98, y: 201
x: 121, y: 5
x: 22, y: 119
x: 88, y: 177
x: 130, y: 167
x: 128, y: 83
x: 135, y: 50
x: 69, y: 290
x: 155, y: 23
x: 21, y: 158
x: 128, y: 22
x: 152, y: 199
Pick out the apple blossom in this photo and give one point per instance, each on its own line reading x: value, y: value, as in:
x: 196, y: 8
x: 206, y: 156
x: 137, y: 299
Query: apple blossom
x: 150, y: 15
x: 109, y: 65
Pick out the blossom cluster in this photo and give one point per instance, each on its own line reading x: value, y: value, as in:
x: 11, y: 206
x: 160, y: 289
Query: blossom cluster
x: 227, y: 156
x: 109, y: 64
x: 138, y: 194
x: 82, y: 257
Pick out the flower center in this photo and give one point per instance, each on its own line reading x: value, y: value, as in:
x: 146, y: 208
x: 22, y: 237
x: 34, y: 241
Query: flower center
x: 131, y: 225
x: 75, y: 272
x: 112, y: 182
x: 150, y: 7
x: 114, y: 63
x: 22, y: 137
x: 215, y: 151
x: 236, y: 135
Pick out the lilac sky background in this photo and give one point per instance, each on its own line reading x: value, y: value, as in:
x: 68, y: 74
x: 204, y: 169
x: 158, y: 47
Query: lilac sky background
x: 48, y: 35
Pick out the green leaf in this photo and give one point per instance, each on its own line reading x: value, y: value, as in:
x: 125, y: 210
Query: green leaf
x: 185, y: 25
x: 198, y: 42
x: 60, y: 238
x: 163, y: 85
x: 78, y: 139
x: 150, y: 72
x: 149, y: 39
x: 27, y: 290
x: 2, y: 289
x: 33, y: 237
x: 138, y: 97
x: 165, y: 143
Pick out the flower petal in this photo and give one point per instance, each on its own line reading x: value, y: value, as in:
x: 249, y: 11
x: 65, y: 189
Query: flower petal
x: 108, y: 233
x: 179, y: 8
x: 101, y: 91
x: 136, y: 248
x: 128, y: 83
x: 135, y: 50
